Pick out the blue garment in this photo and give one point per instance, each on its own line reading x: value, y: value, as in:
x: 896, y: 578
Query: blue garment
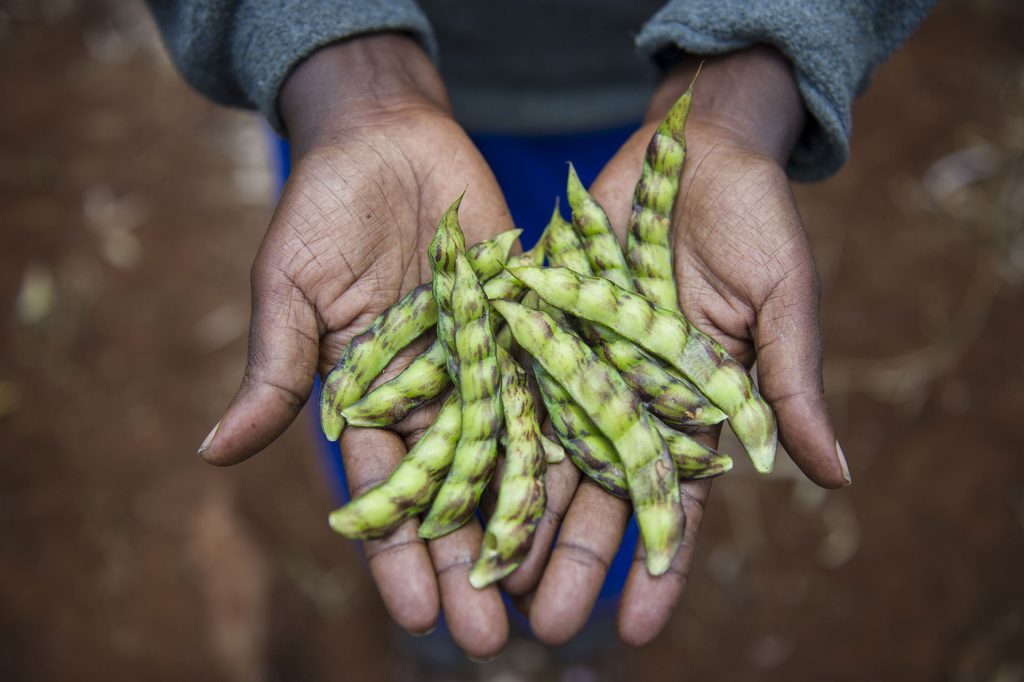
x: 528, y: 169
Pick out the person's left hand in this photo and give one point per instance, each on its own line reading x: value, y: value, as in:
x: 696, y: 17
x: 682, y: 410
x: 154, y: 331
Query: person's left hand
x: 747, y: 277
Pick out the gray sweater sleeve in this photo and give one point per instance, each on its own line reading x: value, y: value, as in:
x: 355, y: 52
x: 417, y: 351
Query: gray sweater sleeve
x: 239, y: 52
x: 834, y: 46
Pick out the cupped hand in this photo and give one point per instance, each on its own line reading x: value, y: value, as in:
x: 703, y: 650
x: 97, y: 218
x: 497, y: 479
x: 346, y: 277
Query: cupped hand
x: 746, y: 276
x: 377, y: 158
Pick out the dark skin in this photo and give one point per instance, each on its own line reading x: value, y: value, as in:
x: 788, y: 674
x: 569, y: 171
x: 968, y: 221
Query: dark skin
x: 377, y: 159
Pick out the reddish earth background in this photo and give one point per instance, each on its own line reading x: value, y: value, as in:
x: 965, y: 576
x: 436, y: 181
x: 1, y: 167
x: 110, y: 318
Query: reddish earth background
x: 131, y: 210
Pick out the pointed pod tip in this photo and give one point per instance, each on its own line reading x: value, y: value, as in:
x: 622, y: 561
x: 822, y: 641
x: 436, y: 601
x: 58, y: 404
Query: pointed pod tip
x: 428, y: 533
x: 483, y: 573
x: 555, y: 219
x: 763, y: 459
x: 508, y: 237
x: 573, y: 181
x: 553, y: 452
x: 449, y: 223
x: 713, y: 415
x: 674, y: 122
x: 430, y: 529
x: 341, y: 522
x: 332, y: 424
x: 453, y: 208
x: 574, y: 186
x: 696, y: 75
x: 659, y: 562
x: 556, y: 214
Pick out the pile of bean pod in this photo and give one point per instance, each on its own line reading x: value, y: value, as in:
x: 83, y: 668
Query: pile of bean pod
x: 623, y: 376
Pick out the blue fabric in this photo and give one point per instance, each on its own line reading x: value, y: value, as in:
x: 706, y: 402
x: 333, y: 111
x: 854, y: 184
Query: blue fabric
x: 531, y: 171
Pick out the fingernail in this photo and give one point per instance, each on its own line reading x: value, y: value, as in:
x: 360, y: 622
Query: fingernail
x: 474, y: 659
x: 208, y: 439
x: 842, y: 463
x: 424, y: 633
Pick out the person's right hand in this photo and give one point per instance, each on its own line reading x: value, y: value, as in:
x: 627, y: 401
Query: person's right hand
x: 377, y: 158
x: 746, y: 276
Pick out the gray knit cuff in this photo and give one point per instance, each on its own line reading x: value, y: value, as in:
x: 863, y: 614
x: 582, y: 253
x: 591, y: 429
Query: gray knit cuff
x: 834, y: 47
x: 271, y: 37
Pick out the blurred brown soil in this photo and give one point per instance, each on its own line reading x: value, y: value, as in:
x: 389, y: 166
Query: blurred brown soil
x: 131, y: 210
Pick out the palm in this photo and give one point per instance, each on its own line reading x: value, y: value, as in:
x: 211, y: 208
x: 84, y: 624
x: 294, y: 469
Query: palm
x: 351, y: 230
x: 738, y: 240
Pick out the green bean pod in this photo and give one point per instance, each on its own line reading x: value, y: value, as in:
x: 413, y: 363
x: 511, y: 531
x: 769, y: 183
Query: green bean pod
x: 368, y: 354
x: 669, y: 336
x: 489, y: 257
x: 553, y: 451
x: 447, y: 243
x: 590, y: 451
x: 665, y: 394
x: 423, y: 380
x: 595, y: 456
x: 563, y: 245
x: 618, y: 413
x: 427, y: 377
x: 411, y: 487
x: 503, y: 284
x: 521, y: 494
x: 587, y: 447
x: 479, y: 386
x: 601, y: 245
x: 693, y: 459
x: 648, y: 237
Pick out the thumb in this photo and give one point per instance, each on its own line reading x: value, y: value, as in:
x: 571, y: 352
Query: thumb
x: 283, y: 348
x: 789, y: 372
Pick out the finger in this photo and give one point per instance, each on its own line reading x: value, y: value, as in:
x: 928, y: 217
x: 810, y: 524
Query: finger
x: 475, y: 618
x: 589, y: 539
x: 560, y: 483
x: 648, y: 601
x: 399, y: 563
x: 283, y: 347
x: 789, y: 372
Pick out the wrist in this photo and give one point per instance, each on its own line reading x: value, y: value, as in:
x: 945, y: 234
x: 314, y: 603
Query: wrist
x: 749, y: 96
x: 358, y: 79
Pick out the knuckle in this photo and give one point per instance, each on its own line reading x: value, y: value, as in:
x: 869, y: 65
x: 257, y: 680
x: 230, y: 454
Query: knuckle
x: 580, y: 554
x: 386, y: 548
